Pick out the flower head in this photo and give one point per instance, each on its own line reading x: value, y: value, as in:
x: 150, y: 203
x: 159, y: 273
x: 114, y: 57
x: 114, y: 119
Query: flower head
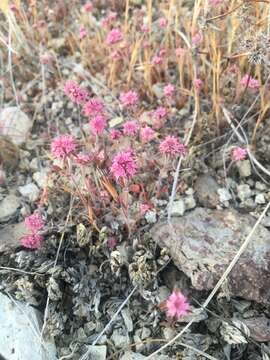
x: 162, y: 22
x: 248, y: 82
x: 124, y: 165
x: 93, y: 107
x: 197, y: 39
x: 115, y: 134
x: 34, y: 222
x: 97, y: 124
x: 32, y: 241
x: 238, y: 154
x: 88, y: 7
x: 114, y: 36
x: 82, y: 158
x: 168, y: 90
x: 62, y: 146
x: 172, y: 147
x: 74, y: 92
x: 129, y: 98
x: 176, y: 305
x: 147, y: 133
x: 160, y: 113
x: 197, y: 84
x: 130, y: 128
x: 45, y: 58
x: 82, y: 32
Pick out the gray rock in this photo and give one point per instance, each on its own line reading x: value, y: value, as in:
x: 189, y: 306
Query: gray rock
x: 203, y: 242
x: 30, y: 191
x: 178, y: 208
x: 206, y: 189
x: 127, y: 319
x: 260, y: 199
x: 190, y: 202
x: 20, y: 332
x: 120, y: 338
x: 41, y: 178
x: 8, y: 207
x: 97, y: 352
x: 151, y: 216
x: 157, y: 90
x: 259, y: 328
x: 10, y: 236
x: 129, y: 355
x: 244, y: 192
x: 16, y: 124
x: 244, y: 168
x: 224, y: 195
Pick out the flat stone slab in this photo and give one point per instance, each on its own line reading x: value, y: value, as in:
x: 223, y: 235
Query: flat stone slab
x: 203, y: 243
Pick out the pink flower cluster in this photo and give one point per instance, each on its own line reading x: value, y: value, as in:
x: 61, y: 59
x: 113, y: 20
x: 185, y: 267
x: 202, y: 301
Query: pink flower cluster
x: 177, y: 305
x: 97, y: 124
x: 74, y: 92
x: 130, y: 128
x: 248, y: 82
x: 88, y: 7
x: 62, y: 146
x: 93, y: 107
x: 124, y: 165
x: 198, y: 84
x: 114, y: 36
x: 168, y: 90
x: 171, y: 146
x: 238, y: 154
x: 147, y: 134
x: 34, y: 223
x: 129, y: 98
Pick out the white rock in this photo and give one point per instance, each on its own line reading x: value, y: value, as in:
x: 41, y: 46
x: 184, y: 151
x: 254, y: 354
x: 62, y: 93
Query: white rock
x: 8, y: 207
x: 190, y: 202
x: 178, y: 208
x: 15, y: 123
x: 97, y: 352
x: 244, y: 168
x: 31, y: 191
x: 151, y: 216
x: 120, y: 338
x: 260, y: 199
x: 244, y: 192
x: 129, y: 355
x: 127, y: 319
x: 41, y: 178
x: 224, y: 195
x: 20, y: 332
x: 157, y: 90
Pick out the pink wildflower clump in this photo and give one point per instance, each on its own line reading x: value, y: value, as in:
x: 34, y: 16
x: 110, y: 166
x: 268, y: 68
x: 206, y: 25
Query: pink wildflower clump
x: 130, y: 128
x: 147, y: 134
x: 88, y: 7
x: 129, y: 98
x: 34, y: 222
x: 97, y: 124
x: 32, y: 241
x: 238, y: 154
x: 82, y: 158
x: 177, y: 305
x: 82, y: 32
x: 144, y: 28
x: 74, y: 92
x: 168, y: 90
x: 124, y: 165
x: 248, y: 82
x: 171, y: 146
x: 115, y: 134
x: 198, y: 84
x: 162, y: 22
x: 93, y: 107
x: 160, y: 112
x: 114, y: 36
x: 197, y: 39
x: 62, y: 146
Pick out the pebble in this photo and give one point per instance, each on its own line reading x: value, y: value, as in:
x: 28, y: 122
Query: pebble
x: 10, y: 236
x: 41, y: 178
x: 30, y: 191
x: 151, y: 216
x: 178, y: 208
x: 244, y: 192
x: 206, y: 191
x: 190, y: 202
x: 244, y: 168
x: 97, y: 352
x: 8, y: 207
x: 224, y: 195
x: 120, y: 338
x: 259, y: 199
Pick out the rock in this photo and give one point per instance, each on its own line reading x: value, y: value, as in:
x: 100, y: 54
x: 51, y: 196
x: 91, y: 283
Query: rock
x: 20, y: 331
x: 16, y: 124
x: 127, y: 319
x: 224, y: 195
x: 260, y: 199
x: 10, y: 236
x: 259, y: 328
x: 206, y: 189
x: 129, y: 355
x: 31, y: 191
x: 151, y: 216
x: 244, y: 192
x: 97, y: 352
x: 244, y: 168
x: 203, y: 242
x: 8, y: 207
x: 41, y: 178
x: 120, y: 338
x: 157, y: 90
x: 178, y: 208
x: 190, y: 202
x: 9, y: 154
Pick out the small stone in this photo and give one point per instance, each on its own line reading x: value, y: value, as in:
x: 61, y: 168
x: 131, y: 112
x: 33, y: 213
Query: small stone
x: 15, y: 124
x: 157, y: 90
x: 169, y: 333
x: 127, y: 319
x: 151, y: 216
x: 259, y: 328
x: 8, y: 207
x: 9, y: 154
x: 190, y: 202
x: 120, y: 338
x: 260, y: 186
x: 97, y: 352
x: 146, y: 333
x: 224, y: 195
x: 244, y: 192
x: 244, y: 168
x: 41, y: 178
x: 206, y: 189
x: 30, y: 191
x: 259, y: 199
x: 163, y: 293
x: 178, y: 208
x: 10, y: 236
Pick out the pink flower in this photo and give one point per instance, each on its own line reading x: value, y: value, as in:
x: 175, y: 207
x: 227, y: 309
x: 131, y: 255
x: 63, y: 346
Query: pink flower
x: 130, y: 128
x: 124, y: 165
x: 215, y: 2
x: 114, y: 36
x: 144, y: 28
x: 82, y: 32
x: 62, y: 146
x: 176, y: 305
x: 238, y: 154
x: 144, y: 208
x: 197, y: 39
x: 82, y: 159
x: 248, y: 82
x: 180, y: 52
x: 147, y: 134
x: 74, y: 92
x: 88, y: 7
x: 157, y: 60
x: 115, y: 134
x: 172, y: 147
x: 45, y: 59
x: 162, y: 22
x: 168, y: 90
x: 34, y: 222
x: 32, y: 241
x: 97, y: 124
x: 129, y: 98
x: 160, y: 112
x: 109, y: 19
x: 93, y: 107
x: 197, y: 83
x: 111, y: 242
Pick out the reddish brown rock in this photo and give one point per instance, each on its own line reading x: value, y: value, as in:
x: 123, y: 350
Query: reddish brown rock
x: 203, y: 243
x: 259, y: 328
